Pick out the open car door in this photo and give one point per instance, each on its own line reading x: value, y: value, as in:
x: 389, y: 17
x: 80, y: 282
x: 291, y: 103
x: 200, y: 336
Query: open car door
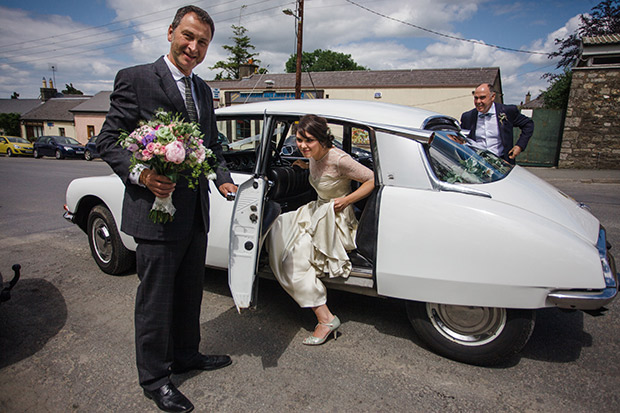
x: 248, y: 229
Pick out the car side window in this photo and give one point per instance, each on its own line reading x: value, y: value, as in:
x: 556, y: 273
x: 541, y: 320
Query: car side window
x: 240, y: 134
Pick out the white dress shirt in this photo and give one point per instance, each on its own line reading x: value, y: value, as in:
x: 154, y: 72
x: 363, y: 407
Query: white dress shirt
x: 487, y: 133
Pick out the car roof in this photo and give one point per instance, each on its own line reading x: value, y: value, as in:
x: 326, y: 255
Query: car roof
x: 353, y: 110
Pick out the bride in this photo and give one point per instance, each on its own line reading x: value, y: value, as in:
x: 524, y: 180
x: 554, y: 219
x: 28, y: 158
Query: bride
x: 313, y: 241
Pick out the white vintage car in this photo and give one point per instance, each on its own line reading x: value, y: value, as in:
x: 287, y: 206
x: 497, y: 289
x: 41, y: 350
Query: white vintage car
x: 472, y: 244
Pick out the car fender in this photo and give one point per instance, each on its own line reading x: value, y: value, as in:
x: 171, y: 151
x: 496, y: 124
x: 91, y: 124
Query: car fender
x: 493, y: 254
x: 109, y: 190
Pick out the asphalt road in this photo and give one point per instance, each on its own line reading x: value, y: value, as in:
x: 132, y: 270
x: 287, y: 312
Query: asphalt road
x: 66, y: 336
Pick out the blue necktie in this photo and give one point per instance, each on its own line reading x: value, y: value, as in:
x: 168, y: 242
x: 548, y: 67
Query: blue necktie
x: 485, y: 115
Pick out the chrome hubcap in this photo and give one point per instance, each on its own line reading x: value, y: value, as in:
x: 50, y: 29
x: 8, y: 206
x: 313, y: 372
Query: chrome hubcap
x: 469, y: 326
x: 102, y: 240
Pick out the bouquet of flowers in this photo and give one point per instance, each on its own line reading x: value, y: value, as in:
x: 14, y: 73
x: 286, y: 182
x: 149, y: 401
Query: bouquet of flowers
x: 169, y: 146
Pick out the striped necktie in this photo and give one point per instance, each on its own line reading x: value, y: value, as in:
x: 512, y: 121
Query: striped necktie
x: 189, y: 100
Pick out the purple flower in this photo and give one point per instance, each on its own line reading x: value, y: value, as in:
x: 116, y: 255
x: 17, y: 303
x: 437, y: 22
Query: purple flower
x: 150, y: 137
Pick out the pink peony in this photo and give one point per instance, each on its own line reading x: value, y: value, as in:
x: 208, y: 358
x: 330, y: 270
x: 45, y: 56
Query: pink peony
x: 146, y: 155
x: 200, y: 154
x: 175, y: 152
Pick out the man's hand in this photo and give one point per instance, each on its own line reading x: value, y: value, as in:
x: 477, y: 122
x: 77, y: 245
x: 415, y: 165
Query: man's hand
x: 227, y: 188
x: 160, y: 185
x: 514, y: 152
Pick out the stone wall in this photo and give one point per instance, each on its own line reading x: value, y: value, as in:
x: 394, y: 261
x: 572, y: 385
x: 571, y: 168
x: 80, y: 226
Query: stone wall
x: 591, y: 136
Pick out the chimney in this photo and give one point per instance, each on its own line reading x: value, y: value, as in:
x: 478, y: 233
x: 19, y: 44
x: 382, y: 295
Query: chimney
x: 247, y: 69
x: 528, y: 97
x: 48, y: 92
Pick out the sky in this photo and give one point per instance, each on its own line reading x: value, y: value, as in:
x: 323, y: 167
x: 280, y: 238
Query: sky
x: 85, y: 42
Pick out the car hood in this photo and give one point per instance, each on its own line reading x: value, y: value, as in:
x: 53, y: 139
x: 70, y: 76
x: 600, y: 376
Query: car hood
x: 524, y: 190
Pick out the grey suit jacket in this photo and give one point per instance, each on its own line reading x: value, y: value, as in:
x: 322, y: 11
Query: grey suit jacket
x: 138, y: 92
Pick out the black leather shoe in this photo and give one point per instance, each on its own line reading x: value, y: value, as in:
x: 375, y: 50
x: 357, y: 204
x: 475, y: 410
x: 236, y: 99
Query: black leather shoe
x: 203, y: 362
x: 169, y: 399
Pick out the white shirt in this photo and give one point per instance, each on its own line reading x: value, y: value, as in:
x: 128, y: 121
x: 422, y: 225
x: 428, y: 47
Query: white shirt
x: 487, y: 133
x: 178, y: 76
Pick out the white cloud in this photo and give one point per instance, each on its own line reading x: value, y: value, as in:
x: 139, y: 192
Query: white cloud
x: 90, y: 57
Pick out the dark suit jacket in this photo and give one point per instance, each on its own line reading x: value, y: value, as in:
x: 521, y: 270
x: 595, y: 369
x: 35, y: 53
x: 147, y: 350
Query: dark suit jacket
x: 514, y: 118
x: 138, y: 92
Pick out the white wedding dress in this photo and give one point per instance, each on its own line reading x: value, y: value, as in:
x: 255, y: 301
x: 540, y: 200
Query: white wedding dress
x: 313, y: 241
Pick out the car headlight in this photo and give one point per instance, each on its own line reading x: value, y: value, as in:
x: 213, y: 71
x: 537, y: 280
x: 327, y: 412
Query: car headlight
x: 68, y: 148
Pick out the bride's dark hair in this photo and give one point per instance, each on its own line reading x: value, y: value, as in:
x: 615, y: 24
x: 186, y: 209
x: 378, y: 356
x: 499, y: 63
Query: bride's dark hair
x: 316, y: 126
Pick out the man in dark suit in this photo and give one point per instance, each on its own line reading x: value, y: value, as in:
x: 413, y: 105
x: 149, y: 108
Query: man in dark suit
x: 170, y: 257
x: 491, y: 125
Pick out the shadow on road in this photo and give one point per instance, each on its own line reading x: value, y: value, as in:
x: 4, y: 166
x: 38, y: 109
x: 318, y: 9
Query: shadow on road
x: 35, y: 313
x: 558, y: 336
x: 267, y: 332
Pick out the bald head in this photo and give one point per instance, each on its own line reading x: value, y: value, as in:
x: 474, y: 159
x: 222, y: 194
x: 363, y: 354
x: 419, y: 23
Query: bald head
x: 484, y: 96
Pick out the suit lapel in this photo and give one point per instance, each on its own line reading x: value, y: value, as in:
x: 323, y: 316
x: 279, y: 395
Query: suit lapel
x: 170, y: 87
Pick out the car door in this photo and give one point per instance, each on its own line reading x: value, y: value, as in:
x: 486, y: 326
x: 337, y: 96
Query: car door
x: 4, y: 144
x: 248, y: 229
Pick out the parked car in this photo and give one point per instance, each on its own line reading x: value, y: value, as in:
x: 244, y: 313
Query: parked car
x: 440, y: 231
x: 15, y: 145
x: 59, y: 146
x: 90, y: 149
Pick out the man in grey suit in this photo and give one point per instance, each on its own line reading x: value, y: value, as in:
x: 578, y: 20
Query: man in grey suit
x: 170, y: 257
x: 491, y: 125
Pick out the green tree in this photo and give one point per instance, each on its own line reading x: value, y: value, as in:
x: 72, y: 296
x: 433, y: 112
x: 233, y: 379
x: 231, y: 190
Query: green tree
x: 70, y: 90
x: 239, y: 54
x: 556, y: 95
x: 322, y: 61
x: 604, y: 19
x: 10, y: 123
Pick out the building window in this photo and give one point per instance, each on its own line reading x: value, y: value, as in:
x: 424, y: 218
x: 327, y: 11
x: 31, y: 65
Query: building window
x: 90, y: 131
x: 61, y: 131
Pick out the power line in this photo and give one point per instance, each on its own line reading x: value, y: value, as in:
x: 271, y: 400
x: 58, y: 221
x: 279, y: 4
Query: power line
x: 443, y: 34
x: 30, y: 60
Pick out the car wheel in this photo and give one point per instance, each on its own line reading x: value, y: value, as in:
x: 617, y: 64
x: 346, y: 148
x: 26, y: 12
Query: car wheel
x: 474, y: 335
x: 59, y: 154
x: 105, y: 242
x: 9, y: 153
x: 88, y: 156
x: 36, y: 154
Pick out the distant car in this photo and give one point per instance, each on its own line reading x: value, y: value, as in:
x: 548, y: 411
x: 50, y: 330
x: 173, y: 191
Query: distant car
x: 14, y: 145
x: 440, y: 231
x: 90, y: 151
x: 59, y: 146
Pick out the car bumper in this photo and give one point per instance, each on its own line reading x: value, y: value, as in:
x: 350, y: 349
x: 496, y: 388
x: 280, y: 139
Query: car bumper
x: 21, y: 151
x: 591, y: 299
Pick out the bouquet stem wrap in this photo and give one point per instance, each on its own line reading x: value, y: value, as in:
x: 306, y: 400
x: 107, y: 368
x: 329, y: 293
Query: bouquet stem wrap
x: 162, y: 210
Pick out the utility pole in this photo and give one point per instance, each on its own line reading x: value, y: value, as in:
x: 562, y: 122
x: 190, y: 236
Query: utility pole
x: 299, y: 15
x: 300, y: 32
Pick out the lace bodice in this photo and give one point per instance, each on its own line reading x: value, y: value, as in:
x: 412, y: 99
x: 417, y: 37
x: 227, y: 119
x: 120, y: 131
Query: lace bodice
x: 338, y: 164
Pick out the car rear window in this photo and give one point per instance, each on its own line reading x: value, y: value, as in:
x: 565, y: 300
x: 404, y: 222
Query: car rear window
x: 453, y: 162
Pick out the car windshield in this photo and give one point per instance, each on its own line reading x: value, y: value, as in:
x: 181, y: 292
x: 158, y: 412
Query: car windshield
x: 453, y: 162
x: 16, y: 139
x: 66, y: 140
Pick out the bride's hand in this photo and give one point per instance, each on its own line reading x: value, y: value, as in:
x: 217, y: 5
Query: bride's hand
x: 340, y: 204
x: 301, y: 164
